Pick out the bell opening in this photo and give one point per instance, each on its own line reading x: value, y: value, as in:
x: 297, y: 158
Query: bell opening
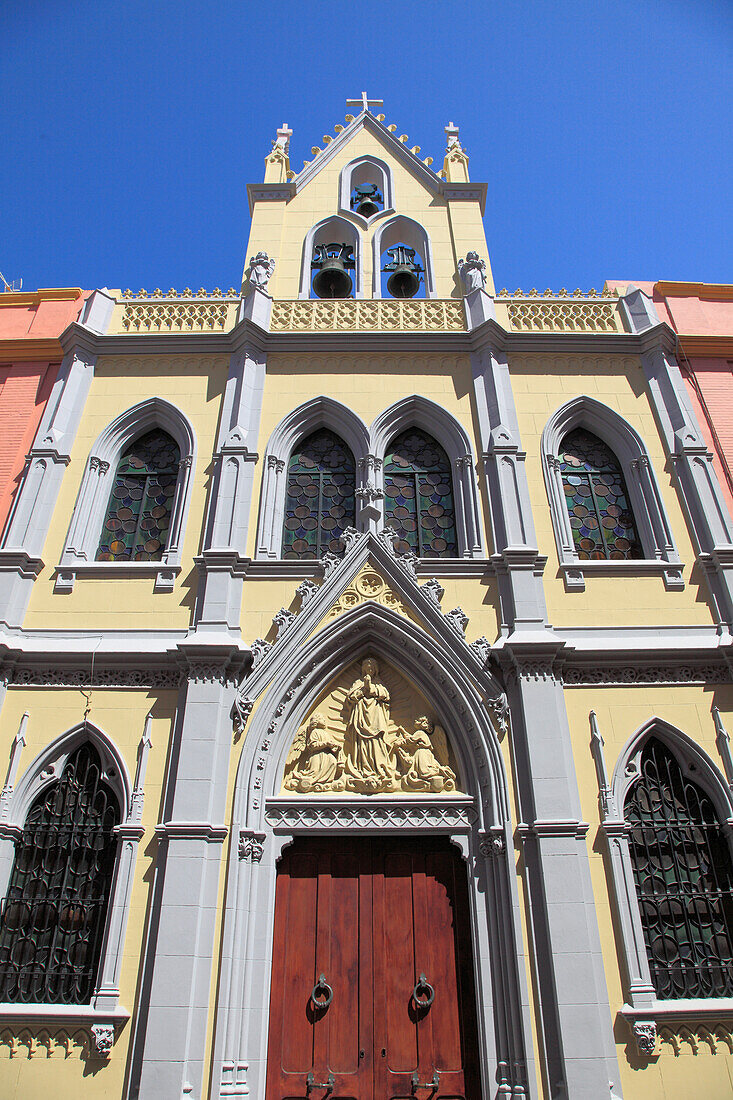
x: 404, y: 271
x: 366, y: 199
x: 330, y: 263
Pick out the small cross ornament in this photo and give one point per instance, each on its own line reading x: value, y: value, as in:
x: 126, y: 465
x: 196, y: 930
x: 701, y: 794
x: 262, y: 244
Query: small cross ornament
x: 451, y: 132
x: 364, y: 104
x: 284, y: 133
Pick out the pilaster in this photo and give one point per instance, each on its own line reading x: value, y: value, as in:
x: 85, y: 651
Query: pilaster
x: 30, y: 518
x: 576, y: 1021
x: 170, y: 1042
x: 221, y: 565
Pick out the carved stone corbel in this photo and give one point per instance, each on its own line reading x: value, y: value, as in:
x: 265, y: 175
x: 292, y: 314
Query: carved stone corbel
x: 645, y: 1034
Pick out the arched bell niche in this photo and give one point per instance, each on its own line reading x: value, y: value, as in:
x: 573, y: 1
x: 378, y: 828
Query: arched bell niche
x: 332, y: 231
x: 371, y: 732
x: 365, y: 171
x: 398, y: 240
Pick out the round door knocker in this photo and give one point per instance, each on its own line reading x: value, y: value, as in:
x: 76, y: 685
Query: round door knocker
x: 322, y: 989
x: 422, y: 985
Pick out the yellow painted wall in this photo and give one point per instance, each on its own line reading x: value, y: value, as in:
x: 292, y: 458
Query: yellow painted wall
x: 195, y: 386
x: 541, y: 385
x: 621, y: 711
x: 366, y: 384
x: 280, y: 229
x: 120, y: 714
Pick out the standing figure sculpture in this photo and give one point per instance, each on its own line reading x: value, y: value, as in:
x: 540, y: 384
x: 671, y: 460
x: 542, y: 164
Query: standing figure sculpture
x: 369, y: 764
x: 473, y: 272
x: 260, y: 270
x: 319, y: 759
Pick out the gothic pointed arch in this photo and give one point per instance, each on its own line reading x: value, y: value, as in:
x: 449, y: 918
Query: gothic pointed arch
x: 645, y: 533
x: 338, y: 229
x: 265, y: 818
x: 667, y: 821
x: 76, y: 795
x: 362, y: 169
x: 400, y: 229
x: 83, y: 538
x: 419, y: 412
x: 295, y: 427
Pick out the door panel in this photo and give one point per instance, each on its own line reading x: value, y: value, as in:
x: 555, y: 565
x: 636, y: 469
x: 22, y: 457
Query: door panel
x: 372, y: 915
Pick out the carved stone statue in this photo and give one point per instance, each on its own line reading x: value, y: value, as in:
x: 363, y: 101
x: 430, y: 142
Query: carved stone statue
x: 369, y: 764
x: 473, y: 272
x: 260, y: 270
x: 320, y: 759
x: 423, y: 755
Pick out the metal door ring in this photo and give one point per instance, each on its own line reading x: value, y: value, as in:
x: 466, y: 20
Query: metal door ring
x: 423, y: 984
x: 323, y: 987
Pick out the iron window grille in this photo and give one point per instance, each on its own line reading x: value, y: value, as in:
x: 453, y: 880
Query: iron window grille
x: 53, y: 917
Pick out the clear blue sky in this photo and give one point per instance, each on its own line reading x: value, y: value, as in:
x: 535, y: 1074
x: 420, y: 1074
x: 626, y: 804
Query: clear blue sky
x: 129, y: 131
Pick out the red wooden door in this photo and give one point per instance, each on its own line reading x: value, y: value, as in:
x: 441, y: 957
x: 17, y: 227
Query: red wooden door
x: 372, y: 916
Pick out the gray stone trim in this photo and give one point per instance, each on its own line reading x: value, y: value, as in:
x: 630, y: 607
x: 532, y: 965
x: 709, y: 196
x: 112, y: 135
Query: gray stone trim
x: 652, y: 524
x: 86, y: 522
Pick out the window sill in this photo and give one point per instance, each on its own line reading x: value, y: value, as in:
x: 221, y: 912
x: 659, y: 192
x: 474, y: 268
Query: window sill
x: 573, y: 572
x: 164, y: 574
x: 645, y: 1021
x: 59, y: 1014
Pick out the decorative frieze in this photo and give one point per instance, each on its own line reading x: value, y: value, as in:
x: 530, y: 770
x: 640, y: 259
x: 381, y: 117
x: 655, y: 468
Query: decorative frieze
x: 388, y: 315
x: 620, y: 675
x: 52, y: 676
x: 696, y: 1038
x: 370, y: 815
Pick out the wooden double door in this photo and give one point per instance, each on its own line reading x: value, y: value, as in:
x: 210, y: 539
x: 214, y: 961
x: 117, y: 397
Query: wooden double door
x: 372, y: 978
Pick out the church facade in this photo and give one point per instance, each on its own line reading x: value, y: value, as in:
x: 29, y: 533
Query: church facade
x: 365, y: 710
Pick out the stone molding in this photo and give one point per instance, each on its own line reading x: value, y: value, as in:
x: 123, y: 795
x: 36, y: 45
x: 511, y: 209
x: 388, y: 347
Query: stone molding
x: 251, y: 845
x: 621, y: 674
x: 291, y: 815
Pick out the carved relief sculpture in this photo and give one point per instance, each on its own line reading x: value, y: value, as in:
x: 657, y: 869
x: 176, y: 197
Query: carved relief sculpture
x: 353, y: 743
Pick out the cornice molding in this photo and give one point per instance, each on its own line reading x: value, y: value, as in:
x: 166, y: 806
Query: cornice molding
x: 25, y: 350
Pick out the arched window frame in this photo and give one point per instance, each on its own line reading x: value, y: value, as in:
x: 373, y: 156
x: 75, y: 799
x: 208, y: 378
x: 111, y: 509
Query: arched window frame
x: 419, y: 412
x: 643, y: 1008
x: 652, y: 525
x: 321, y: 412
x: 82, y: 540
x: 401, y: 229
x: 383, y: 179
x: 330, y: 229
x: 18, y: 800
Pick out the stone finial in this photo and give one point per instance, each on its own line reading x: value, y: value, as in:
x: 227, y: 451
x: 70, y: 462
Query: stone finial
x: 451, y: 134
x: 282, y: 141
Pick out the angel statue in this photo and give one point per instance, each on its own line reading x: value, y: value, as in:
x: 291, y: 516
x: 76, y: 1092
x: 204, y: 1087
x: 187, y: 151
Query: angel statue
x: 369, y: 764
x: 424, y: 756
x: 319, y: 759
x: 473, y: 272
x: 260, y: 270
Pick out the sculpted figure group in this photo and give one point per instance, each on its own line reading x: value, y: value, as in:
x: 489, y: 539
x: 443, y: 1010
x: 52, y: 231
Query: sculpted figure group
x: 369, y: 759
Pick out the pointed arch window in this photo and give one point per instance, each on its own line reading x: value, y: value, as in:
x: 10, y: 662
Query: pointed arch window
x: 54, y: 914
x: 418, y: 492
x: 684, y: 879
x: 320, y: 498
x: 138, y: 515
x: 597, y: 499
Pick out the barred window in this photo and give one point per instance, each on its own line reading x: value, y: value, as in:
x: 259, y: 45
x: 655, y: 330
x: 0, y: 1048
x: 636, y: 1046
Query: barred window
x: 684, y: 879
x: 139, y: 510
x: 320, y: 497
x: 53, y: 917
x: 597, y: 499
x: 418, y: 493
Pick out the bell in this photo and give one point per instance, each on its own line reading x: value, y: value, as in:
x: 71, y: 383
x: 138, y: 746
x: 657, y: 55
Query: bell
x: 332, y: 279
x: 366, y: 197
x: 404, y: 282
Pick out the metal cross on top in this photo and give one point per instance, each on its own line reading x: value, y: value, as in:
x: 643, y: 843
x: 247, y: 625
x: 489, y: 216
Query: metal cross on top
x: 364, y: 104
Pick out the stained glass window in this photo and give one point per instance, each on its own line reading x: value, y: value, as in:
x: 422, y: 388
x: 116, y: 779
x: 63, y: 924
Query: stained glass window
x: 139, y: 510
x: 597, y: 499
x: 418, y: 496
x: 53, y: 917
x: 684, y: 879
x: 320, y: 496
